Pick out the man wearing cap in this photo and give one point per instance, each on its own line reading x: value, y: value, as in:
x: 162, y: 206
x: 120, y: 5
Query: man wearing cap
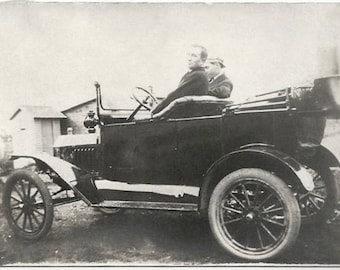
x: 219, y: 84
x: 194, y: 82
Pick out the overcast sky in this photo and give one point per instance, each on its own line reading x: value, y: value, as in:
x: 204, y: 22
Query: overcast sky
x: 50, y: 54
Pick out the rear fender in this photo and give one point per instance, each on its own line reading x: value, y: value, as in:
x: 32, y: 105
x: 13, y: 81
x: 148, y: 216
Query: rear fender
x: 257, y: 156
x: 65, y: 174
x: 325, y: 156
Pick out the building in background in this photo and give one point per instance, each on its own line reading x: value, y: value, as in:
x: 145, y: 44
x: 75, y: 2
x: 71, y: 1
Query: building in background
x: 6, y: 147
x: 75, y: 117
x: 5, y: 150
x: 35, y: 129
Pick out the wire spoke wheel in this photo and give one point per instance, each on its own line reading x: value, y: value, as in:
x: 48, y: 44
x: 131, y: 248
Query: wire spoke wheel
x: 264, y: 218
x: 319, y: 204
x: 27, y: 205
x: 253, y: 214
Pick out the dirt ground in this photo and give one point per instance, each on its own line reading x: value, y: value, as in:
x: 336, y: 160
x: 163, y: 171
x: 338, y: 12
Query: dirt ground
x: 80, y: 235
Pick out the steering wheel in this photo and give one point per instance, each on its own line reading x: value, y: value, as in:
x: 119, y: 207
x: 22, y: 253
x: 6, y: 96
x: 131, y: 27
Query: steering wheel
x: 144, y: 102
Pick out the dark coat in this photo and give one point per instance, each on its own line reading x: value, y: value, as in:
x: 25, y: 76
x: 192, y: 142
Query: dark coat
x: 193, y: 83
x: 221, y: 87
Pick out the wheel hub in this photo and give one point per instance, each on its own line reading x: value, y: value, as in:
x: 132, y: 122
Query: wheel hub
x: 28, y: 206
x: 250, y: 216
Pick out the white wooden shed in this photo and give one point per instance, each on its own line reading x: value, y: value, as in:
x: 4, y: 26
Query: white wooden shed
x: 35, y: 129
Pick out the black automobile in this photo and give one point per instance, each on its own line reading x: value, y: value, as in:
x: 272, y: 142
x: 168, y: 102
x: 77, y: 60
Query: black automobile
x: 255, y: 170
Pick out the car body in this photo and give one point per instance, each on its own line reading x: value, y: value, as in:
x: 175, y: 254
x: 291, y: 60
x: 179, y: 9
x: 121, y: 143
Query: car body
x: 258, y: 164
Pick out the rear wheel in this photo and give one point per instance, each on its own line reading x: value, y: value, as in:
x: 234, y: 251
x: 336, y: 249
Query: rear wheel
x: 27, y: 205
x: 319, y: 204
x: 253, y: 214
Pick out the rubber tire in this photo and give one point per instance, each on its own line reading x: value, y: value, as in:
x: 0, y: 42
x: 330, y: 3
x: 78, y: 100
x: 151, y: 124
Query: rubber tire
x: 108, y: 211
x: 48, y: 203
x: 280, y: 187
x: 331, y: 200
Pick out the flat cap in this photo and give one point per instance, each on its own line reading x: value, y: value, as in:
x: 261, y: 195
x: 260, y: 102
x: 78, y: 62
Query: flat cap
x: 216, y: 60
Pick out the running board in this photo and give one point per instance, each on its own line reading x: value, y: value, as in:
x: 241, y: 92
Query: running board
x: 189, y: 207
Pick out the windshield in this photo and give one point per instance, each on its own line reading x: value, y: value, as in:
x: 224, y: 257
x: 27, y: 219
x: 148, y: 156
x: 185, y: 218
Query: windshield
x: 121, y: 104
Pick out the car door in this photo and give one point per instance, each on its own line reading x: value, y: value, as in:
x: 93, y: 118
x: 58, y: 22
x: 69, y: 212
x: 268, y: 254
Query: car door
x: 156, y: 152
x: 118, y: 148
x: 198, y: 139
x: 198, y: 146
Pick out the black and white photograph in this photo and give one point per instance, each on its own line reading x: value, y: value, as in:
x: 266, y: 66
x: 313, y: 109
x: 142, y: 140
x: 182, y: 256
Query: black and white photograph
x: 169, y: 134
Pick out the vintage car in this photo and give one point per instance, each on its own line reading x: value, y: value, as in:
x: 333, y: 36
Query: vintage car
x: 255, y: 170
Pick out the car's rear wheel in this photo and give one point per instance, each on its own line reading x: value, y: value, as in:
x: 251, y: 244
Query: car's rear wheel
x: 27, y: 205
x: 319, y: 204
x: 253, y: 214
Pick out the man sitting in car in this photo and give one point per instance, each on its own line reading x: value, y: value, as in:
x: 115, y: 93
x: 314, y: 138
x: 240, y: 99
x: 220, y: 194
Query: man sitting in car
x: 219, y: 84
x: 194, y: 82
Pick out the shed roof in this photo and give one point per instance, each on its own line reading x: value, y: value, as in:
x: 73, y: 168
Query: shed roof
x: 40, y: 112
x: 79, y: 105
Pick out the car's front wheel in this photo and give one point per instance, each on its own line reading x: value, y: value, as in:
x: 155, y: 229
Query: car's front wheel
x: 27, y: 205
x: 253, y: 214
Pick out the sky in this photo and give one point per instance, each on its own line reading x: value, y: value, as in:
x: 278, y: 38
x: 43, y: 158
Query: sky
x: 51, y: 53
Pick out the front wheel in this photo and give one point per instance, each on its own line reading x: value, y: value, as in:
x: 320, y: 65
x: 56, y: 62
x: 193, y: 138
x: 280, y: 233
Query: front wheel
x: 27, y: 205
x: 253, y: 214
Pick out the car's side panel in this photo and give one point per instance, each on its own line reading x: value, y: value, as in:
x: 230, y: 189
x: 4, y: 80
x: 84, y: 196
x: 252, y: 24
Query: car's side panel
x: 118, y: 148
x: 199, y: 145
x: 156, y: 156
x: 285, y: 132
x: 243, y: 129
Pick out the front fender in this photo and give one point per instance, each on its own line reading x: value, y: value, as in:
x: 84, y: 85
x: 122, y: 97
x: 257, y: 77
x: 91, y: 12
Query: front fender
x: 68, y: 174
x: 66, y: 171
